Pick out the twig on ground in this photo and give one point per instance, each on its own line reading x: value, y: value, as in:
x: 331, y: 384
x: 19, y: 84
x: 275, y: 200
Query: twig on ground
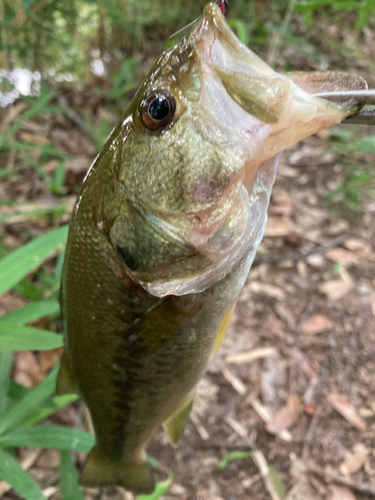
x: 209, y: 445
x: 257, y: 456
x: 250, y: 356
x: 51, y: 490
x: 262, y: 410
x: 333, y: 477
x: 310, y: 433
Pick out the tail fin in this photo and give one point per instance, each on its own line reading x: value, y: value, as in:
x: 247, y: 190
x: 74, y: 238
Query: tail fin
x: 100, y: 471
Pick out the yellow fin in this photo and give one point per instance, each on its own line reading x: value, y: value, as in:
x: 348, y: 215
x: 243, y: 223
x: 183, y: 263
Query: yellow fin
x: 99, y: 471
x: 175, y: 424
x: 222, y: 330
x: 65, y: 383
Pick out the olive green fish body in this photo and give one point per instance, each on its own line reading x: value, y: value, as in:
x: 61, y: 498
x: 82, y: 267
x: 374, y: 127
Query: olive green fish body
x: 133, y: 357
x: 164, y: 232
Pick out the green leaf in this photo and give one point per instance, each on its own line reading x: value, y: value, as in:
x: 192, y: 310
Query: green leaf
x: 366, y: 145
x: 29, y: 403
x: 49, y: 436
x: 12, y: 473
x: 32, y: 312
x: 348, y: 4
x: 17, y: 391
x: 363, y: 16
x: 54, y: 405
x: 276, y: 481
x: 5, y: 366
x: 37, y: 106
x: 28, y: 289
x: 70, y: 489
x: 309, y: 17
x: 16, y: 265
x: 160, y: 490
x: 25, y: 213
x: 14, y: 337
x: 233, y: 455
x: 341, y: 134
x: 316, y: 4
x: 154, y: 462
x: 59, y: 177
x: 241, y: 29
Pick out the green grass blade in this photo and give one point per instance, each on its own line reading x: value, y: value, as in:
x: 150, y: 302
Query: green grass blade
x: 25, y: 338
x: 17, y: 391
x: 26, y: 288
x: 276, y: 481
x: 29, y: 403
x: 32, y: 312
x: 49, y: 436
x: 37, y: 106
x: 70, y: 489
x: 25, y: 213
x: 16, y: 265
x: 363, y: 16
x: 233, y: 455
x: 316, y: 4
x: 160, y: 490
x: 366, y: 145
x: 12, y: 473
x: 5, y: 366
x: 54, y: 405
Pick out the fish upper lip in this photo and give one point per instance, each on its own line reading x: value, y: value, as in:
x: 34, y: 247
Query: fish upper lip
x: 247, y: 61
x: 218, y: 48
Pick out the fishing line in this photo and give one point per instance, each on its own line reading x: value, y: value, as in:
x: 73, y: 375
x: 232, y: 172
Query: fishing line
x: 224, y: 7
x: 187, y: 26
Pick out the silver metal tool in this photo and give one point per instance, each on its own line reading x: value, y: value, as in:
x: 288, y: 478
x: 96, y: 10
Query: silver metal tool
x: 365, y: 116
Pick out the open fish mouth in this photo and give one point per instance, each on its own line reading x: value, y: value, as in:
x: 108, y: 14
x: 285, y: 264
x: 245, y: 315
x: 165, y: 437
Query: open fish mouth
x: 267, y: 110
x: 245, y: 114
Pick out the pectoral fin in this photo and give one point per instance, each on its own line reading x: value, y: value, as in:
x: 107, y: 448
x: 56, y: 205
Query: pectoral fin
x: 174, y: 426
x: 160, y: 324
x: 65, y: 381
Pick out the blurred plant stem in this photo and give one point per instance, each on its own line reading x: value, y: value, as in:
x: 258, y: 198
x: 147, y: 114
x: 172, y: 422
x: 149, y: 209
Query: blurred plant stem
x: 4, y: 35
x: 273, y: 50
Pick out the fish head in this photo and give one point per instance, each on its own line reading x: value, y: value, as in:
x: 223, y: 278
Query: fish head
x: 200, y: 146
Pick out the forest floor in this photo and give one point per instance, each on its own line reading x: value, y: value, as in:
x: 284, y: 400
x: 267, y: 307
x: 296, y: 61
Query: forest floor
x: 287, y: 408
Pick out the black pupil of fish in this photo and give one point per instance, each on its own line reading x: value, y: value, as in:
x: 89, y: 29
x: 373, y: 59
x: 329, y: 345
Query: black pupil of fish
x: 159, y: 108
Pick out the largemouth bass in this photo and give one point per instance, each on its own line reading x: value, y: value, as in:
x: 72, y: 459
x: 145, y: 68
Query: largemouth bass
x: 165, y: 230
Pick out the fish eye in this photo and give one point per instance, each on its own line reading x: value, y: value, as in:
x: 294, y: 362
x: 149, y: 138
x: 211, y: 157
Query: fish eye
x: 158, y: 109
